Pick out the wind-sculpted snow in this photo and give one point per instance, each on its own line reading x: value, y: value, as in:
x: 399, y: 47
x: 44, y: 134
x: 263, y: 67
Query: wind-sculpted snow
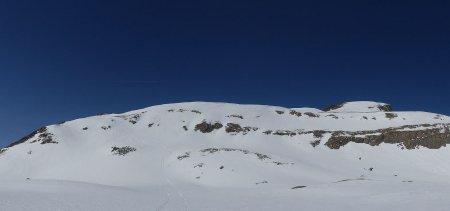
x: 246, y: 157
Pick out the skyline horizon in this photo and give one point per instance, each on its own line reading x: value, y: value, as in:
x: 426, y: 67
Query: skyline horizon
x: 71, y: 59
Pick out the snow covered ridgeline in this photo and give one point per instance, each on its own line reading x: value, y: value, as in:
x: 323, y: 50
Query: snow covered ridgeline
x: 360, y: 122
x: 212, y: 156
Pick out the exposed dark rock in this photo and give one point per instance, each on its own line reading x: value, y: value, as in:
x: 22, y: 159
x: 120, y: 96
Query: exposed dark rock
x: 391, y: 115
x: 284, y: 133
x: 297, y: 187
x: 235, y: 116
x: 28, y: 137
x: 318, y: 133
x: 132, y: 118
x: 261, y: 156
x: 185, y: 128
x: 184, y: 110
x: 186, y: 155
x: 386, y: 107
x: 85, y: 128
x: 199, y: 165
x: 195, y: 111
x: 315, y: 143
x: 310, y: 114
x: 42, y: 135
x: 106, y: 127
x: 279, y: 112
x: 235, y: 129
x: 268, y: 132
x: 281, y: 163
x: 295, y: 113
x: 333, y: 107
x: 246, y: 129
x: 210, y: 150
x: 432, y: 138
x: 122, y: 150
x: 151, y: 124
x: 335, y: 142
x: 346, y: 180
x: 333, y: 116
x: 205, y: 127
x: 46, y: 138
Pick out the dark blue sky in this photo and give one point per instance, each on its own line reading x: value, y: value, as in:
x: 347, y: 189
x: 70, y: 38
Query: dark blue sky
x: 61, y: 60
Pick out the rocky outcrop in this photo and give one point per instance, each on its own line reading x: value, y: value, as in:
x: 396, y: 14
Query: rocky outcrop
x: 132, y: 118
x: 235, y: 116
x: 391, y: 115
x: 184, y: 156
x: 295, y: 113
x: 205, y: 127
x: 333, y: 107
x: 184, y: 110
x: 28, y: 137
x: 370, y: 106
x: 310, y: 114
x: 279, y: 112
x: 385, y: 107
x: 122, y: 150
x: 41, y: 135
x: 235, y: 129
x: 409, y: 137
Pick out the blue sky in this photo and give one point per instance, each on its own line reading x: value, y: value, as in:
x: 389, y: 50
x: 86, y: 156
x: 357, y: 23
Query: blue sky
x: 61, y: 60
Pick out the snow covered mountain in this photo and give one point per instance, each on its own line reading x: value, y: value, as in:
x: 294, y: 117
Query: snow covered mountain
x: 219, y: 156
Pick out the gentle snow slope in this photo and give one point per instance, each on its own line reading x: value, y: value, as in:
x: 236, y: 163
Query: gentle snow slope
x: 167, y: 164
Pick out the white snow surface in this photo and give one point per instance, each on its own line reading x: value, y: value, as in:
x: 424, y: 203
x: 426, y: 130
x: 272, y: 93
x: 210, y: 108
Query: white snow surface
x: 175, y: 167
x: 360, y: 106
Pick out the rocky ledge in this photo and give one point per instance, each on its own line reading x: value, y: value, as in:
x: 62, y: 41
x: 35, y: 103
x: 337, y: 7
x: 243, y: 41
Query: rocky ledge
x: 406, y: 137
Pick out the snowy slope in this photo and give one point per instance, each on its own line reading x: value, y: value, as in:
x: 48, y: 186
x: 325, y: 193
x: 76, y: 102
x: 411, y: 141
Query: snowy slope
x: 246, y: 156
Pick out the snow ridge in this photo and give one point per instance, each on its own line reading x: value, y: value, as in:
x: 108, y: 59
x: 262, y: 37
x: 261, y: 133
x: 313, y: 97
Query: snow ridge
x: 173, y: 153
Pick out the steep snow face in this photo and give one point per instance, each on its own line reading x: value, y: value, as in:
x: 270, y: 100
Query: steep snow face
x: 204, y: 146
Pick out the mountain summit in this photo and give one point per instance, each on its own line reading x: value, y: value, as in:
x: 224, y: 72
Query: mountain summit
x: 245, y: 147
x: 359, y: 106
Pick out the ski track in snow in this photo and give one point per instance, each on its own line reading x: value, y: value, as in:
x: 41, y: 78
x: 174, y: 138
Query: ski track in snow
x: 169, y: 181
